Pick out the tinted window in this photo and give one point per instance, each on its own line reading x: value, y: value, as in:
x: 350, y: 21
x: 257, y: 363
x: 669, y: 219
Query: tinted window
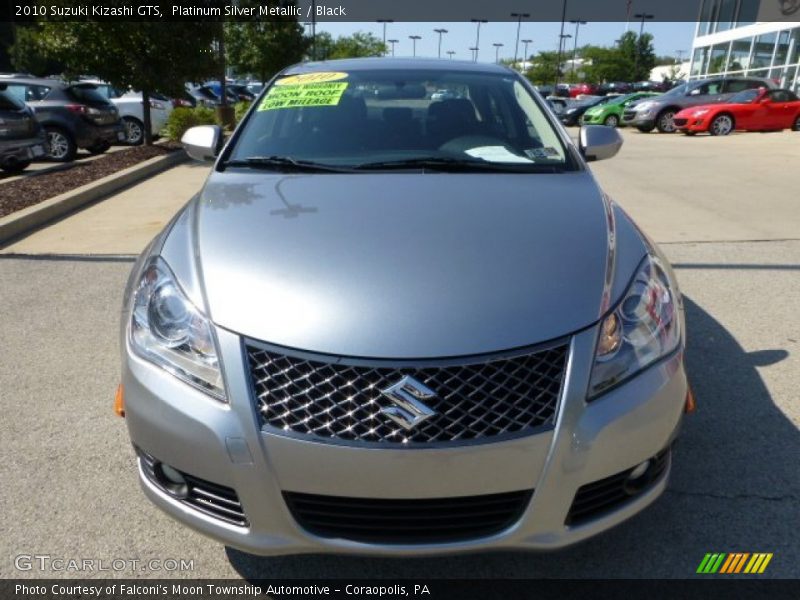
x: 88, y: 94
x: 708, y: 88
x: 739, y: 85
x: 782, y: 96
x: 368, y: 116
x: 9, y: 102
x: 25, y: 92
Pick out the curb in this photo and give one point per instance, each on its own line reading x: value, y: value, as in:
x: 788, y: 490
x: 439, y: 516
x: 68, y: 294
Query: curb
x: 26, y: 220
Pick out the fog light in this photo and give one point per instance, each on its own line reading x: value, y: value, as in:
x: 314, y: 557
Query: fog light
x: 639, y: 478
x: 171, y: 480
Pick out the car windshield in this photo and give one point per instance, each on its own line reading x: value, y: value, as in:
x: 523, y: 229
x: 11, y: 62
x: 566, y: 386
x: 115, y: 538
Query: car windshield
x: 8, y: 102
x: 365, y: 118
x: 679, y: 90
x: 745, y: 97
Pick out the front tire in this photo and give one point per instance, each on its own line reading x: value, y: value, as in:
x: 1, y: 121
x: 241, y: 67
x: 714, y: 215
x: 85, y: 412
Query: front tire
x: 134, y: 131
x: 611, y: 121
x: 61, y: 146
x: 796, y: 126
x: 666, y: 121
x: 721, y: 125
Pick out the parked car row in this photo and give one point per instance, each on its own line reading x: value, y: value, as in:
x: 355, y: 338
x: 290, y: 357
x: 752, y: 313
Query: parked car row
x: 574, y: 90
x: 717, y: 105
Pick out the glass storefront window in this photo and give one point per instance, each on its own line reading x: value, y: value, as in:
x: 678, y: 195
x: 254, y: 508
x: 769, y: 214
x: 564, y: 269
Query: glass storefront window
x: 782, y: 50
x: 706, y: 16
x: 699, y: 61
x: 762, y: 52
x: 794, y: 47
x: 740, y: 55
x: 719, y: 56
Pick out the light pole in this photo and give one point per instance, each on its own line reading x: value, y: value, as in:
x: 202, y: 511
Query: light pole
x: 560, y: 42
x: 680, y: 54
x: 644, y: 17
x: 578, y: 23
x: 478, y: 36
x: 561, y: 46
x: 518, y: 17
x: 525, y: 53
x: 414, y: 39
x: 450, y: 53
x: 385, y: 21
x: 392, y: 42
x: 440, y: 32
x: 497, y: 46
x: 474, y: 51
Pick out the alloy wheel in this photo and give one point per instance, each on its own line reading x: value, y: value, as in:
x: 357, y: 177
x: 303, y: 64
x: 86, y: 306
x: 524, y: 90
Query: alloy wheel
x: 59, y: 145
x: 721, y: 125
x: 133, y: 132
x: 611, y: 121
x: 666, y: 122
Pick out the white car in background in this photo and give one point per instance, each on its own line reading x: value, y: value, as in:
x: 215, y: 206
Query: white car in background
x: 131, y: 111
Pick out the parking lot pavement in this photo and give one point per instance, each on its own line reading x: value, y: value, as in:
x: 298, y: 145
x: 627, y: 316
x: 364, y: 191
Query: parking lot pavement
x: 39, y: 167
x: 69, y: 485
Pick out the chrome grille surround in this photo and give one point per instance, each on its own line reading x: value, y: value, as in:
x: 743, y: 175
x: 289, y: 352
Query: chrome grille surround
x: 339, y: 399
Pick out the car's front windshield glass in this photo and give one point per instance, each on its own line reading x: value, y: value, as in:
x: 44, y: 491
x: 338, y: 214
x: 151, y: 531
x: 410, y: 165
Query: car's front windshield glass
x: 745, y: 97
x: 678, y: 91
x: 362, y: 117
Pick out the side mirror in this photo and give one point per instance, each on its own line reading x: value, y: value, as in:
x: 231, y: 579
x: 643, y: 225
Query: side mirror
x: 597, y: 142
x: 203, y: 142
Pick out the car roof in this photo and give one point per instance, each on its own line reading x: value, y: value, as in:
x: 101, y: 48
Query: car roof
x: 36, y: 81
x: 365, y: 64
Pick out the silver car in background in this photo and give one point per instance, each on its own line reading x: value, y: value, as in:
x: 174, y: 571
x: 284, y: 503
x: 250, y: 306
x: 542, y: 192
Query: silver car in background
x: 396, y: 325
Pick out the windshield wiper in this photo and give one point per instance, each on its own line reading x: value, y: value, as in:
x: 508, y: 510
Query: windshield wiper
x: 461, y: 165
x: 284, y: 163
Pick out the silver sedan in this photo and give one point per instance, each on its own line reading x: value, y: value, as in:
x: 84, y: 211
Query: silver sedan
x: 390, y: 324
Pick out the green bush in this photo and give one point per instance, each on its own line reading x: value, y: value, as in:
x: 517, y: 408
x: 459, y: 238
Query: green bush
x: 182, y: 119
x: 240, y: 109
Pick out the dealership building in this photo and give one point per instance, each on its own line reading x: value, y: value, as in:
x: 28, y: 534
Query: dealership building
x: 748, y: 37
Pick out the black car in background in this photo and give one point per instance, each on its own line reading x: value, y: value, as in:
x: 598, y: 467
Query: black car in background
x: 21, y: 136
x: 73, y: 115
x: 572, y: 116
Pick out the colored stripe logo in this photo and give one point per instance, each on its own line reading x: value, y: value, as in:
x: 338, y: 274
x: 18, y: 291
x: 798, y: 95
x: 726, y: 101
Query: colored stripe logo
x: 734, y: 562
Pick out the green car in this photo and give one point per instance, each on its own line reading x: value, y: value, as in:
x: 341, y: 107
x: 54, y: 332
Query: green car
x: 610, y: 113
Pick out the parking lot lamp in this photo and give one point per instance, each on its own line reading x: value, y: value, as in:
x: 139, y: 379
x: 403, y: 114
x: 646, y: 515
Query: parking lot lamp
x: 414, y: 39
x: 440, y: 32
x: 392, y: 42
x: 478, y: 36
x: 385, y: 21
x: 497, y: 46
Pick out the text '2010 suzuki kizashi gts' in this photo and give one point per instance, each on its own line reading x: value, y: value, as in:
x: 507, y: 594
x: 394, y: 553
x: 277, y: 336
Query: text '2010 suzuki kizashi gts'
x: 401, y: 317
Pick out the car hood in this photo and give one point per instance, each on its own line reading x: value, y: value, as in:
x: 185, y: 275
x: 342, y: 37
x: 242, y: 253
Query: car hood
x: 399, y: 265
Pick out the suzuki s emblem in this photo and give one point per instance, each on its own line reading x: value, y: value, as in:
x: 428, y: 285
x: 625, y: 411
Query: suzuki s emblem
x: 407, y: 409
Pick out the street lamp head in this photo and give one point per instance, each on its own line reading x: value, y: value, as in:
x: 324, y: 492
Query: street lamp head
x: 440, y: 31
x: 479, y: 20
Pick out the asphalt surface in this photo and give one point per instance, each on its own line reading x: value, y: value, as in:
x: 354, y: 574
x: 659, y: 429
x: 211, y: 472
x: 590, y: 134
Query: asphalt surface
x: 67, y: 480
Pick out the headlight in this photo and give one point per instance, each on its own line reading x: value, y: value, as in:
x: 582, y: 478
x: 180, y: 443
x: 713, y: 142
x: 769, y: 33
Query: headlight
x: 168, y: 330
x: 644, y: 106
x: 642, y: 329
x: 701, y: 112
x: 572, y: 111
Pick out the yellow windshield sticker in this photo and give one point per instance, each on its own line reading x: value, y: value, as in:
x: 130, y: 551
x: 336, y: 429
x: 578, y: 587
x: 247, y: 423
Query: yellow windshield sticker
x: 321, y: 77
x: 303, y: 94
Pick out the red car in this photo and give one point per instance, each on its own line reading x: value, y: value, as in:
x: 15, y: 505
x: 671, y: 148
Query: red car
x: 579, y: 89
x: 751, y: 110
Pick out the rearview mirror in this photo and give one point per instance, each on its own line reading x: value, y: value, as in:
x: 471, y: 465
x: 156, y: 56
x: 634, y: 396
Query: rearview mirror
x: 202, y: 142
x: 598, y: 142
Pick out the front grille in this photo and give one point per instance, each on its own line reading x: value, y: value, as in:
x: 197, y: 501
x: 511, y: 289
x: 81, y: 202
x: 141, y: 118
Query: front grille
x: 680, y: 122
x: 603, y: 496
x: 429, y: 521
x: 209, y: 498
x: 474, y: 401
x: 628, y: 115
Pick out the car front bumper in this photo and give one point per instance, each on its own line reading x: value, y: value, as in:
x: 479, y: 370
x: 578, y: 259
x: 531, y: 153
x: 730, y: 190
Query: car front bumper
x: 639, y: 118
x: 223, y: 444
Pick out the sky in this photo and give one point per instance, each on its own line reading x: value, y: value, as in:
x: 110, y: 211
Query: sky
x: 670, y: 37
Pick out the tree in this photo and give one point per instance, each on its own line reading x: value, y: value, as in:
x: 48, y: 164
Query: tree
x: 359, y: 44
x: 144, y: 56
x: 263, y: 48
x: 27, y: 55
x: 543, y: 68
